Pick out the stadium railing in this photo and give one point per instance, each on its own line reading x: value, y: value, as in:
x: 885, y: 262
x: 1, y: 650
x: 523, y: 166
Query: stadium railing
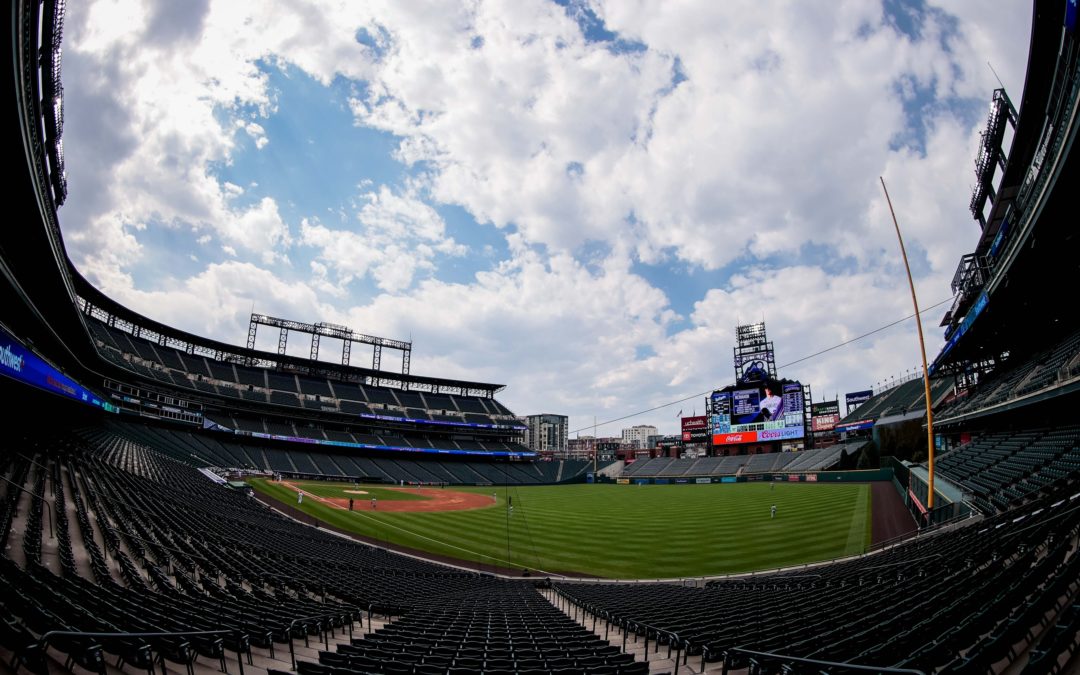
x: 323, y: 623
x: 734, y: 658
x: 183, y: 653
x: 52, y: 529
x: 625, y: 625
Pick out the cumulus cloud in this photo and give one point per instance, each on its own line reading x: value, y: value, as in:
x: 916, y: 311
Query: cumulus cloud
x: 397, y: 236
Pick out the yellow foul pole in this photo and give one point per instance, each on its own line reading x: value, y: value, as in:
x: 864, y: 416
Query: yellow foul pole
x: 922, y: 348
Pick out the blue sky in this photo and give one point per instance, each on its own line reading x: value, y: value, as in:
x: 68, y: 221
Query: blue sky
x: 577, y: 199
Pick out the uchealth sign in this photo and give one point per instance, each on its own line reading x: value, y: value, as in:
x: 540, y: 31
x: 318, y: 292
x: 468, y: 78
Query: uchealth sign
x: 695, y: 429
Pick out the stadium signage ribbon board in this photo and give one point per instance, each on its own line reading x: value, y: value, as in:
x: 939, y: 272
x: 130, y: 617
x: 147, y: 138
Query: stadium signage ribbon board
x: 413, y: 420
x: 395, y: 448
x: 19, y: 363
x: 855, y: 426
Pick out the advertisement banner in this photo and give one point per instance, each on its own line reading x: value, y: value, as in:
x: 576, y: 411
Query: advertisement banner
x: 728, y: 479
x: 824, y: 415
x: 702, y: 481
x: 396, y: 448
x: 734, y: 439
x: 825, y: 408
x: 824, y: 422
x: 763, y: 436
x: 19, y: 363
x: 811, y: 478
x: 622, y: 481
x: 855, y: 426
x: 854, y: 399
x: 695, y: 429
x: 793, y: 478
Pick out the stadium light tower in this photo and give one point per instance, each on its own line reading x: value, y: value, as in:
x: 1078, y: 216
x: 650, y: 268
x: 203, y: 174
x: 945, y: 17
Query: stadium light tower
x: 922, y: 348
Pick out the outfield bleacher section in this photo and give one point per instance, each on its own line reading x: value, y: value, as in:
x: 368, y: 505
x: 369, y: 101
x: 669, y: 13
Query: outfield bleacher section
x: 1003, y: 468
x: 818, y: 459
x: 907, y: 397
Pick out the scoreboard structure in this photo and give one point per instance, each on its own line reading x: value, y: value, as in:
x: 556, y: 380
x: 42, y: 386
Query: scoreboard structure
x: 760, y: 408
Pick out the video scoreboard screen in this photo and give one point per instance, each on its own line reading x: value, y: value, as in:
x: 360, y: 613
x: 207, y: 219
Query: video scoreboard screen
x: 758, y: 414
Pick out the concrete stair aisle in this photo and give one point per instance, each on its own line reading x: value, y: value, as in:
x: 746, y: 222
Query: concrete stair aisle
x: 659, y: 658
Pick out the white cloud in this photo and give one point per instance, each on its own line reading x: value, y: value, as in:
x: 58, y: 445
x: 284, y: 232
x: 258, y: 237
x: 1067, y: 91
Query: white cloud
x: 396, y: 236
x: 218, y: 301
x: 259, y: 228
x: 256, y: 132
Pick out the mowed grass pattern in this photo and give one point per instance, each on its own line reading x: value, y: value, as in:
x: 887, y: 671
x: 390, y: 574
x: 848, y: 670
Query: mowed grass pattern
x: 629, y: 531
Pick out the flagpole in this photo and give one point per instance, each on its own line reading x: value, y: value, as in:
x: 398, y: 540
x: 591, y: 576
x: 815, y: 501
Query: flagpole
x: 922, y: 348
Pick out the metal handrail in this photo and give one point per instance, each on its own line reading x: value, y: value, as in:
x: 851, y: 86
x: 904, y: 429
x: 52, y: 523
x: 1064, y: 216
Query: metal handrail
x: 43, y: 642
x: 901, y: 562
x: 814, y: 662
x: 328, y: 617
x: 52, y: 531
x: 637, y: 626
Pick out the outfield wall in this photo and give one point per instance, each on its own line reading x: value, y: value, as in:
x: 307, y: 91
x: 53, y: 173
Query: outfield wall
x: 862, y: 476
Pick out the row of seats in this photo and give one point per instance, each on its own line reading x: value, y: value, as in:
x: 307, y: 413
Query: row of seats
x: 165, y: 549
x: 817, y: 459
x: 202, y: 449
x: 511, y: 629
x: 182, y: 553
x: 1003, y: 468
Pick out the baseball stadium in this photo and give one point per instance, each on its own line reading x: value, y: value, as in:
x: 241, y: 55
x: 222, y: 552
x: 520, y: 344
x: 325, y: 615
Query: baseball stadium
x: 173, y: 502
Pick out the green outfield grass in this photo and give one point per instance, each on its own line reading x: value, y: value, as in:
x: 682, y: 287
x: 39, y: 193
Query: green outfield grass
x: 625, y: 531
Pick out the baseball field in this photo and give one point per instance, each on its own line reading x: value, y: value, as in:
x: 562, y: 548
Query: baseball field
x: 615, y: 531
